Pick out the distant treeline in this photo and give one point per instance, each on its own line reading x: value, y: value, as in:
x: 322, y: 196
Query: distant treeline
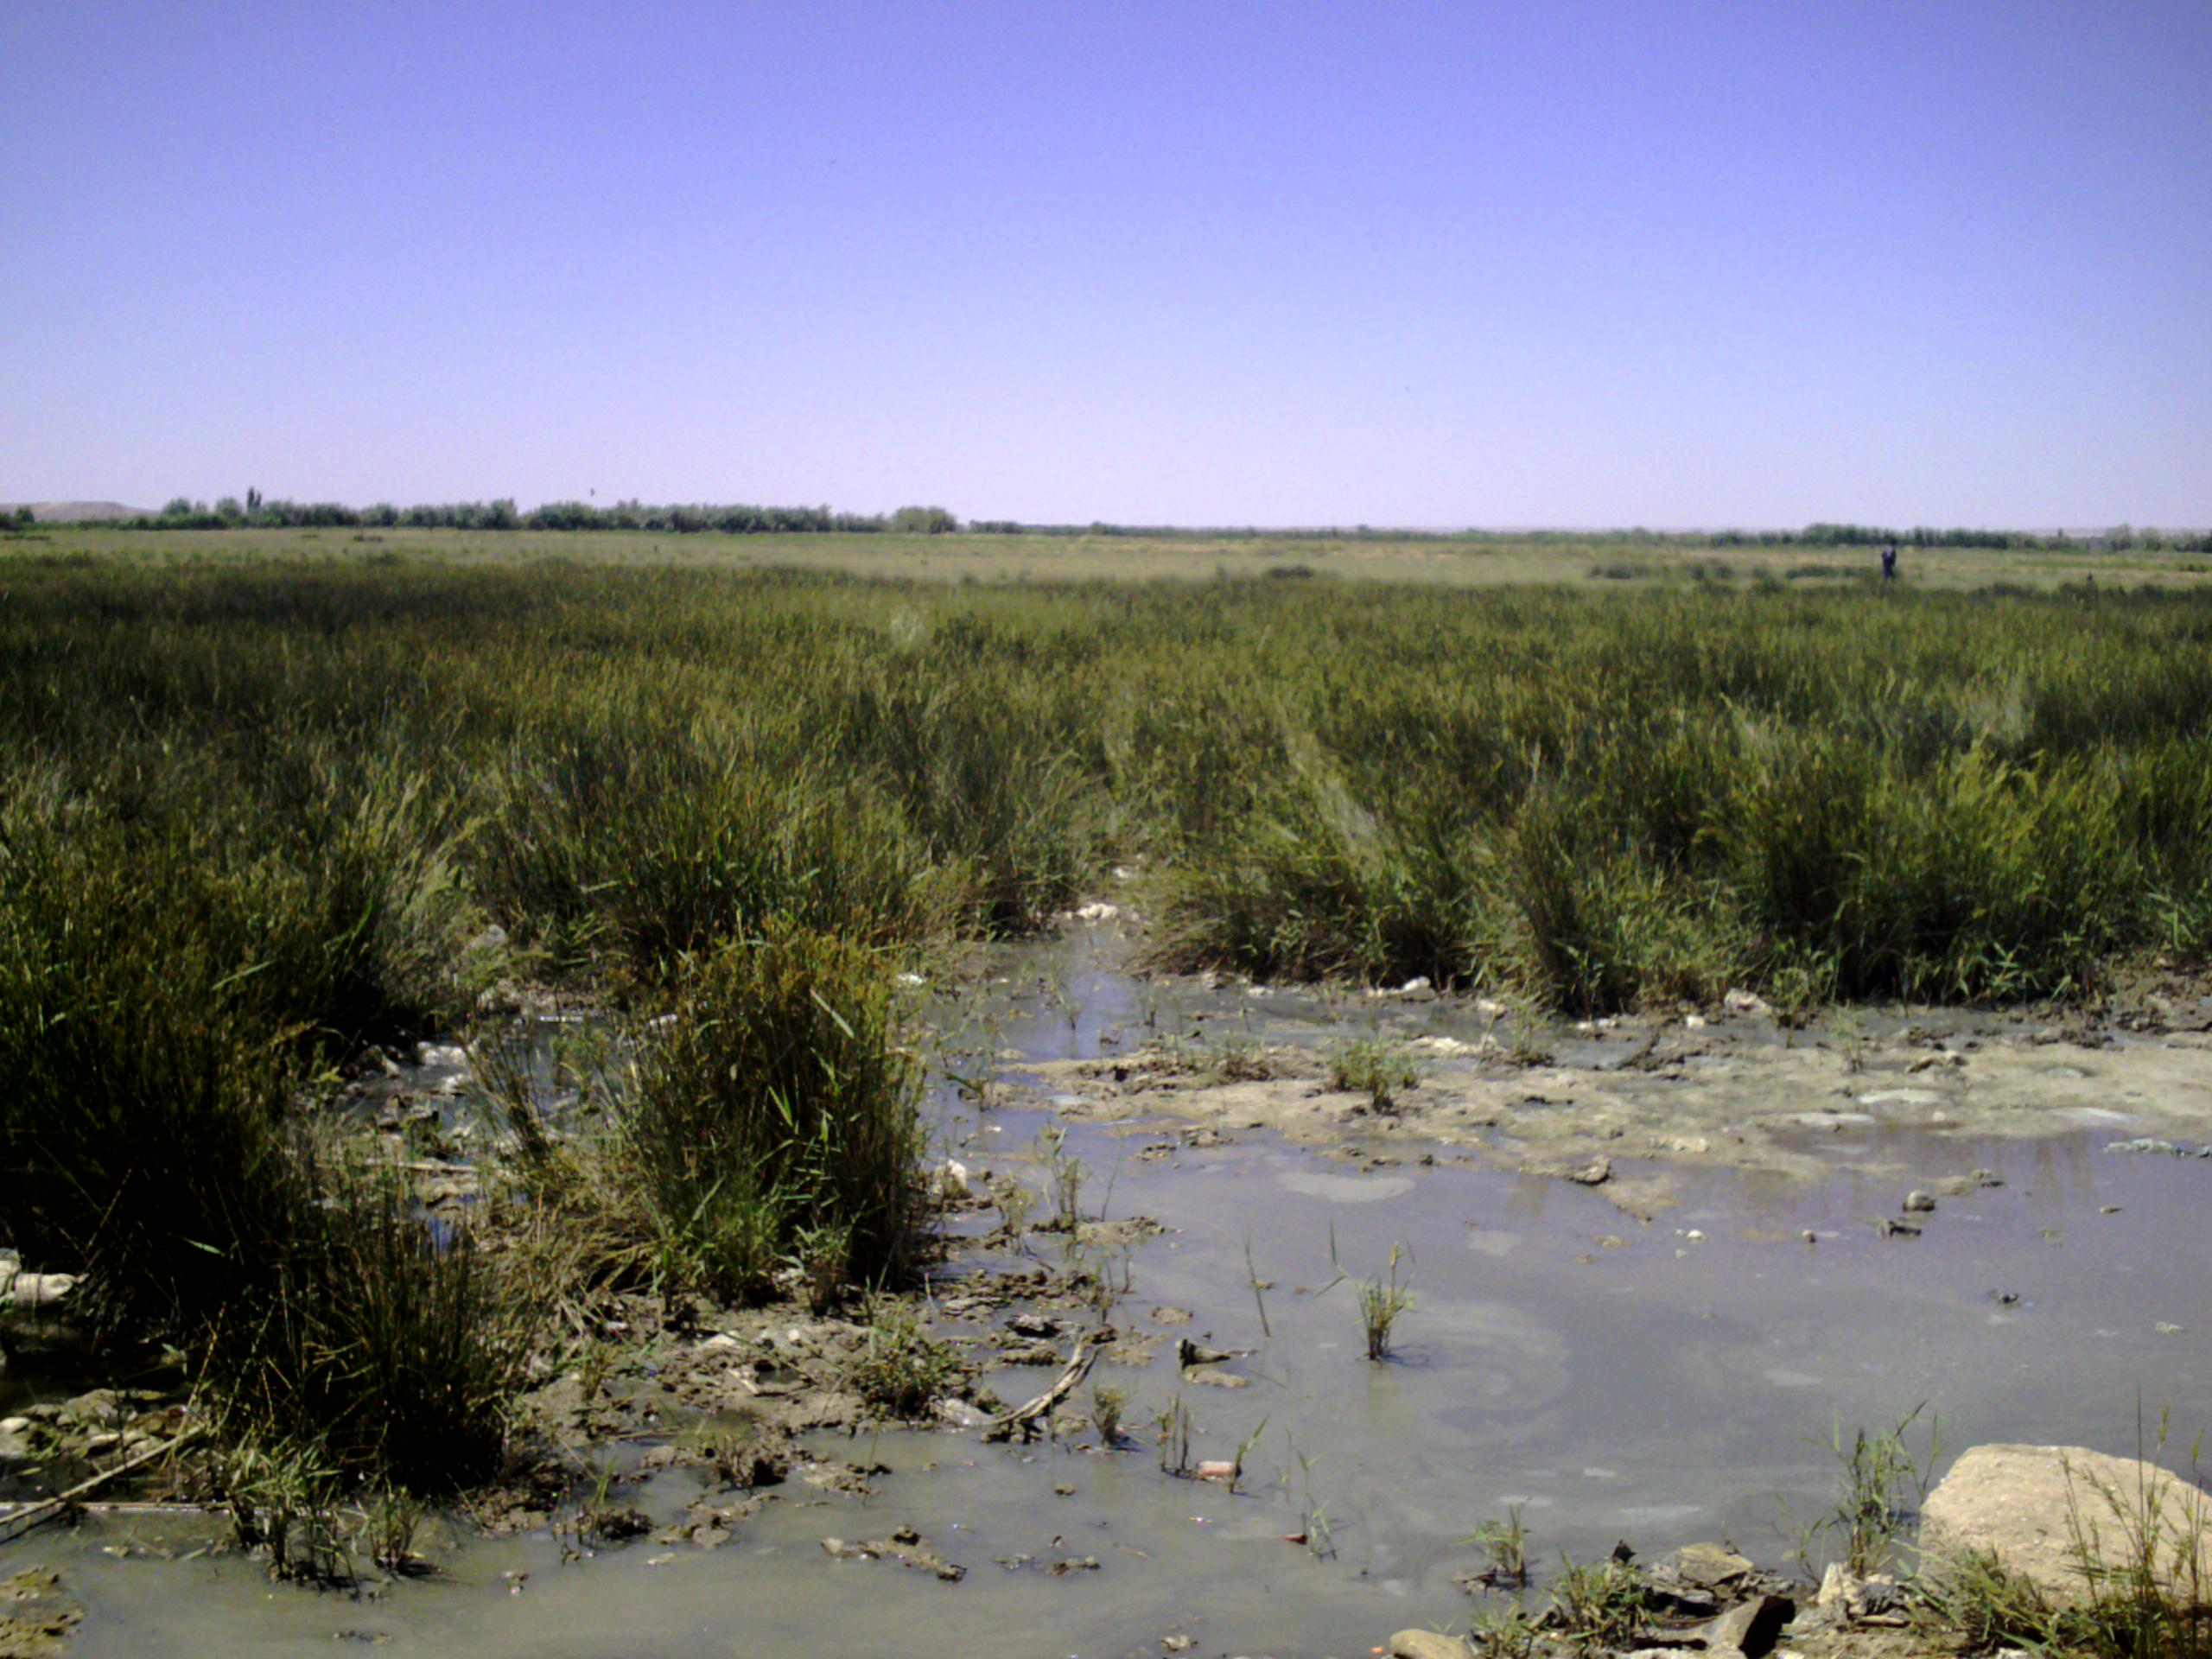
x: 231, y: 513
x: 743, y: 520
x: 1818, y: 534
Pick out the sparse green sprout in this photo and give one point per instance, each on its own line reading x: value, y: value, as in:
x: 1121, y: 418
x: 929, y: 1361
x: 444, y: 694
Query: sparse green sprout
x: 1016, y: 1200
x: 902, y: 1372
x: 1380, y: 1067
x: 825, y: 1262
x: 390, y: 1523
x: 1237, y: 1057
x: 1108, y: 1401
x: 1383, y: 1299
x: 1502, y: 1630
x: 1505, y: 1544
x: 1880, y: 1484
x: 1172, y: 1426
x: 1064, y: 1174
x: 1599, y: 1607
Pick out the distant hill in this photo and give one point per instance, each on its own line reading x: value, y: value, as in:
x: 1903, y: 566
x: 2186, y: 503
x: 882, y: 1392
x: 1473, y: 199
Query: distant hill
x: 78, y: 512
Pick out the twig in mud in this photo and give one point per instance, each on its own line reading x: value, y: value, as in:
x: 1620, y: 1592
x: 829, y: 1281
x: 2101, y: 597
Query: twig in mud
x: 31, y: 1514
x: 1646, y: 1059
x: 1087, y: 1345
x: 1259, y: 1300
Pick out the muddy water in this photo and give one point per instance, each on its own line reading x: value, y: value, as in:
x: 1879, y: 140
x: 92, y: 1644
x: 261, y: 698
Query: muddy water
x: 1659, y: 1382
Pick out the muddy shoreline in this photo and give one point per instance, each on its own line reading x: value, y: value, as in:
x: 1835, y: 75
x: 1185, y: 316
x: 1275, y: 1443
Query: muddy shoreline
x: 1667, y: 1156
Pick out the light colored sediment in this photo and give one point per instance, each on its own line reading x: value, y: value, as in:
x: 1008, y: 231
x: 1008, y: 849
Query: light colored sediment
x: 1671, y: 1095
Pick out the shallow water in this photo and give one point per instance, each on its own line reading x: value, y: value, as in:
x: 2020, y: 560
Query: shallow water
x: 1610, y: 1379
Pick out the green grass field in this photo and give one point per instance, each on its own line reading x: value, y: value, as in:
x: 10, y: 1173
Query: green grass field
x: 1476, y: 561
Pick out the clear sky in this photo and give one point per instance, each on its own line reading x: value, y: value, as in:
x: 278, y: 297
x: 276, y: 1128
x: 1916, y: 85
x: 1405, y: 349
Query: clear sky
x: 1632, y: 262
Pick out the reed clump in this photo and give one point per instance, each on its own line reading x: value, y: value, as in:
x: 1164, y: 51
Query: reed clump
x: 776, y: 1115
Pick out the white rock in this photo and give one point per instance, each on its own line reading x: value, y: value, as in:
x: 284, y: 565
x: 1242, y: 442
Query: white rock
x: 32, y: 1291
x: 2032, y: 1505
x: 1427, y: 1645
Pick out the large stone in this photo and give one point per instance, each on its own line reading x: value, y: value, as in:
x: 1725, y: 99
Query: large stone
x: 1697, y: 1581
x: 1711, y: 1567
x: 32, y: 1293
x: 1752, y: 1627
x: 2048, y: 1511
x: 1427, y: 1645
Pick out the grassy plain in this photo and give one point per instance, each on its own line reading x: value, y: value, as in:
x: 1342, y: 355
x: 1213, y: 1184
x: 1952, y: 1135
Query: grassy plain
x: 1565, y: 557
x: 266, y: 797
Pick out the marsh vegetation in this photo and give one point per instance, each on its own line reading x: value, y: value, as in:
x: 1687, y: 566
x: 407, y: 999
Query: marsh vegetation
x: 259, y: 815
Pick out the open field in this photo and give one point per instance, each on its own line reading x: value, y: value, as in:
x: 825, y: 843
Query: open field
x: 277, y: 808
x: 1476, y: 561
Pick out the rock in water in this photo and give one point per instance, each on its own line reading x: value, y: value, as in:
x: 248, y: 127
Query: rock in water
x: 2039, y: 1508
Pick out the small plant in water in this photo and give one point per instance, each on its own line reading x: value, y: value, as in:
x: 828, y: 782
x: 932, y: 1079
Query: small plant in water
x: 282, y: 1500
x: 1878, y: 1483
x: 1171, y: 1422
x: 1104, y: 1281
x: 1382, y: 1300
x: 1016, y: 1201
x: 389, y: 1525
x: 1107, y: 1402
x: 1505, y: 1544
x: 1244, y: 1450
x: 1313, y: 1514
x: 1064, y: 1173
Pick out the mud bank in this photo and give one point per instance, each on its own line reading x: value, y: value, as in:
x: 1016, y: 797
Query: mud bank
x: 1625, y: 1105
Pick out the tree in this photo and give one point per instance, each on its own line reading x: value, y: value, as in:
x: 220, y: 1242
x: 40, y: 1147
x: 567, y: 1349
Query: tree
x: 920, y: 521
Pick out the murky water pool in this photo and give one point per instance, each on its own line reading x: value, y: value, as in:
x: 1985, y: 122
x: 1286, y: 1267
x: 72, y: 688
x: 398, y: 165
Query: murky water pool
x: 1661, y: 1382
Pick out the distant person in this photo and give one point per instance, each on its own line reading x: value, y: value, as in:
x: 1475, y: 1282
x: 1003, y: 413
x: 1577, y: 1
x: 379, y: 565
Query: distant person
x: 1890, y: 561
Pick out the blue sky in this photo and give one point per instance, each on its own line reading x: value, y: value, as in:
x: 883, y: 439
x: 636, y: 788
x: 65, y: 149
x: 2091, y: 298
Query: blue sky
x: 1610, y: 263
